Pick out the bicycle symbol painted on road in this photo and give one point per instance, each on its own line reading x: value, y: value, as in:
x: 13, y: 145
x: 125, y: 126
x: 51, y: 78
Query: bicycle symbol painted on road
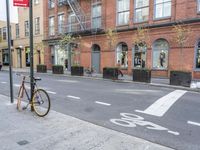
x: 132, y: 120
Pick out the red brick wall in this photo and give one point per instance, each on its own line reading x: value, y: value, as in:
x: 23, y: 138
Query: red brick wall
x: 181, y: 9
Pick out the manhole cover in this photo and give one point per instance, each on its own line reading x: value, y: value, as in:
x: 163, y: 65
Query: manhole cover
x: 23, y: 142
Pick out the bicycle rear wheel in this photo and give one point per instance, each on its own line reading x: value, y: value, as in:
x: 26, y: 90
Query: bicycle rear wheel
x: 41, y: 102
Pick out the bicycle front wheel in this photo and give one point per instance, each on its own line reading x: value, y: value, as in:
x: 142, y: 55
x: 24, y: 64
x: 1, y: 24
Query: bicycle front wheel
x: 41, y: 102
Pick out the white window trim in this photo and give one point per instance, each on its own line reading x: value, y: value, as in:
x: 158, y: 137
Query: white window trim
x: 139, y: 8
x: 100, y: 16
x: 121, y: 12
x: 159, y: 18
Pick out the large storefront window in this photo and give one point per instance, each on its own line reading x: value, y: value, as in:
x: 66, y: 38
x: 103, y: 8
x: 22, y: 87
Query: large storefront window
x: 123, y: 9
x: 139, y: 56
x: 59, y: 55
x: 160, y: 54
x: 198, y: 5
x: 122, y: 55
x: 198, y: 56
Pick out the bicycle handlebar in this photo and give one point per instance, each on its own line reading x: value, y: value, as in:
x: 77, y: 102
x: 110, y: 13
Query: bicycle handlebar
x: 35, y: 78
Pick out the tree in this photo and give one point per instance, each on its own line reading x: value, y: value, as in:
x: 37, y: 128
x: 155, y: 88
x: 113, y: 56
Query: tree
x: 142, y: 37
x: 111, y: 35
x: 182, y: 35
x: 74, y: 42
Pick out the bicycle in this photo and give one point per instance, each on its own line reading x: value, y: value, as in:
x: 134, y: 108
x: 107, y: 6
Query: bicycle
x: 89, y: 71
x: 40, y: 101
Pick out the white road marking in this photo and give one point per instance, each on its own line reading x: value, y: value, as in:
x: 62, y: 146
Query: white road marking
x: 68, y: 81
x: 194, y: 123
x: 174, y: 133
x: 3, y: 82
x: 74, y: 97
x: 102, y: 103
x: 162, y: 105
x: 17, y: 85
x: 50, y: 92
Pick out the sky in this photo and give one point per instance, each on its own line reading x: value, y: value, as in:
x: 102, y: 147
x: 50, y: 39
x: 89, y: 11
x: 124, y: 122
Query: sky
x: 13, y: 11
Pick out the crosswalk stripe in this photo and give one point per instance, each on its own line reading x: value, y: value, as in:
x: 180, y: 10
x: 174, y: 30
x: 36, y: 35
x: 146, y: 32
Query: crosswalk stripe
x: 162, y: 105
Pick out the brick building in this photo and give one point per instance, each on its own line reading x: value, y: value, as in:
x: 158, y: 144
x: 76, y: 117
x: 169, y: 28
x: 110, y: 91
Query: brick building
x: 93, y: 18
x: 20, y: 38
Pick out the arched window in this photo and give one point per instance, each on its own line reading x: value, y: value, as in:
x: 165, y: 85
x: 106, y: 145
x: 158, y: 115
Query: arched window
x: 122, y: 55
x: 198, y: 56
x: 160, y: 54
x: 139, y: 55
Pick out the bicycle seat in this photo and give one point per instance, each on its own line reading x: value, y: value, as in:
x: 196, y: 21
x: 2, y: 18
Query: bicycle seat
x: 37, y: 78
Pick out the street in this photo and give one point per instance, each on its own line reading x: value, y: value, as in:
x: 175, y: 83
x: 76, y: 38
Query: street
x: 164, y: 116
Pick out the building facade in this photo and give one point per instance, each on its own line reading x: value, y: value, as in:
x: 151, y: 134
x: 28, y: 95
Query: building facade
x: 20, y: 38
x: 109, y: 30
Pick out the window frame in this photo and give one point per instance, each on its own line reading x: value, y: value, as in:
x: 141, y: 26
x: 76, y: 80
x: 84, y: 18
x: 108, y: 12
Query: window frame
x: 120, y: 52
x: 96, y: 4
x: 196, y: 48
x: 140, y: 51
x: 37, y: 26
x: 154, y: 68
x: 198, y: 6
x: 17, y: 31
x: 36, y: 2
x: 50, y: 2
x: 62, y: 24
x: 4, y: 33
x: 165, y: 17
x: 134, y: 18
x: 51, y: 27
x: 26, y: 28
x: 119, y: 12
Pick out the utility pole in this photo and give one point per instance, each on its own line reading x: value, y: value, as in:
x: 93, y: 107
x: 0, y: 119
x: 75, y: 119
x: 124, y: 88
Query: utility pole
x: 10, y: 52
x: 31, y: 47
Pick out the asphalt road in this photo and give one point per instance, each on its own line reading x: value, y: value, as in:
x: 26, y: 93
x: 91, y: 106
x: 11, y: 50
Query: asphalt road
x: 166, y: 116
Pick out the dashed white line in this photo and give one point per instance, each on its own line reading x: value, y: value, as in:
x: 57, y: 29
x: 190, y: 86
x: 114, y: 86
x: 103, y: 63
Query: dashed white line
x: 174, y: 133
x: 102, y: 103
x: 162, y: 105
x: 50, y: 92
x: 3, y: 82
x: 68, y: 81
x: 194, y: 123
x: 74, y: 97
x: 17, y: 85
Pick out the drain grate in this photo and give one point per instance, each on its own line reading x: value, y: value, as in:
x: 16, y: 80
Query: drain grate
x: 23, y: 142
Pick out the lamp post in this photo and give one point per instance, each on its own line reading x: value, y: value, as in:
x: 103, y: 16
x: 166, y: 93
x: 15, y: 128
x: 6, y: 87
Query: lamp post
x: 9, y: 51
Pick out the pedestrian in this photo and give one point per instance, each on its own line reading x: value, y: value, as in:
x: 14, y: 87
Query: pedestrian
x: 0, y: 66
x: 118, y: 67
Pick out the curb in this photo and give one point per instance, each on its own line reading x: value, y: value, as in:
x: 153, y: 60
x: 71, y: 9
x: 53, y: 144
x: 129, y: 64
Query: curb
x: 118, y: 81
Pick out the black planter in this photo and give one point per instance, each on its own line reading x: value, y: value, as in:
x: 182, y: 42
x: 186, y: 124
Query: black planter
x: 180, y: 78
x: 110, y: 73
x: 77, y: 71
x: 142, y: 75
x: 57, y: 69
x: 41, y: 68
x: 0, y: 67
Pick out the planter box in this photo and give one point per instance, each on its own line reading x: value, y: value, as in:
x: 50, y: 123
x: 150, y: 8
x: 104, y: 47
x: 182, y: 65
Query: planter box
x: 110, y: 73
x: 77, y: 71
x: 0, y: 67
x: 180, y: 78
x: 58, y: 69
x: 41, y: 68
x: 142, y: 75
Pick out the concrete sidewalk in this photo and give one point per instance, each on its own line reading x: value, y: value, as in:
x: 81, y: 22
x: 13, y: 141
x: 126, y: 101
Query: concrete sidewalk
x: 159, y: 82
x: 24, y: 130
